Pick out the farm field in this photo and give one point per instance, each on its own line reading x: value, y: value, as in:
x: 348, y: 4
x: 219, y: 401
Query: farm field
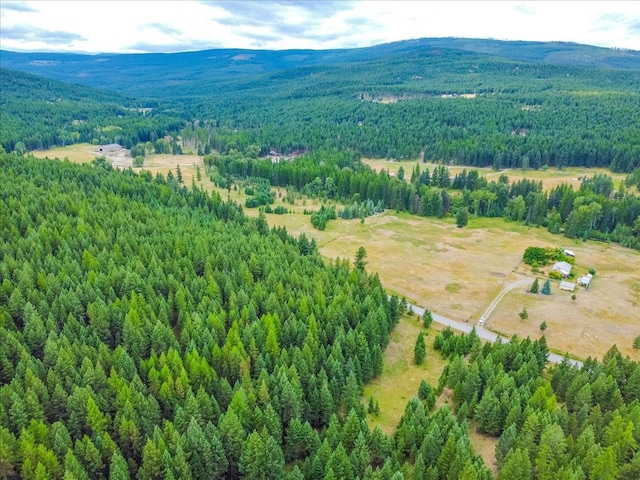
x: 458, y: 272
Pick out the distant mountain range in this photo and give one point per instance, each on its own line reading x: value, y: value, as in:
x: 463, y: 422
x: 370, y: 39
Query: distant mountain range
x: 144, y: 74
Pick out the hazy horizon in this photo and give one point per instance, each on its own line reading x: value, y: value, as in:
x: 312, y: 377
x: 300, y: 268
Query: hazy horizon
x: 103, y: 27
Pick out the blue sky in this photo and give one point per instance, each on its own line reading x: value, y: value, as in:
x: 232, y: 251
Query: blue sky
x: 166, y: 26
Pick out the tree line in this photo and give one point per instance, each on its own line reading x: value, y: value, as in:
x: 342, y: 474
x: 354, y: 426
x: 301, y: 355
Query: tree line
x: 593, y: 211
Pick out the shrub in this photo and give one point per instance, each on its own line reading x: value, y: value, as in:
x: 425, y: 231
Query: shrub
x: 540, y: 256
x: 555, y: 275
x: 535, y: 256
x: 280, y: 210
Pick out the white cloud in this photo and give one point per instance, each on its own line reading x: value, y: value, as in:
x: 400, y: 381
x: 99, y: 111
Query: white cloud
x: 134, y: 26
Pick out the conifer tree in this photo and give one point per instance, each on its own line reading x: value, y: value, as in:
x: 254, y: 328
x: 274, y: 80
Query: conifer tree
x: 535, y: 286
x: 427, y: 319
x: 360, y: 262
x: 517, y: 466
x: 420, y: 350
x: 546, y: 288
x: 462, y: 217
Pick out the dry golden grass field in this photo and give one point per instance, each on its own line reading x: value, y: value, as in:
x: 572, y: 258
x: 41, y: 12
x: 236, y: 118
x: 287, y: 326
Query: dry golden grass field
x: 458, y: 272
x: 401, y: 377
x: 550, y: 178
x: 79, y: 152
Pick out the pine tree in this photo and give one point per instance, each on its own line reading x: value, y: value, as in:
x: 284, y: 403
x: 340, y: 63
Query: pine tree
x: 423, y: 390
x: 427, y: 319
x: 360, y: 263
x: 372, y: 406
x: 462, y: 217
x: 118, y: 469
x: 546, y: 288
x: 419, y: 351
x: 535, y: 286
x: 506, y: 441
x: 604, y: 466
x: 488, y: 414
x: 253, y: 460
x: 516, y: 466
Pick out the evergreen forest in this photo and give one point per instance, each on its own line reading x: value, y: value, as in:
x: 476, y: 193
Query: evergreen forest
x: 154, y: 330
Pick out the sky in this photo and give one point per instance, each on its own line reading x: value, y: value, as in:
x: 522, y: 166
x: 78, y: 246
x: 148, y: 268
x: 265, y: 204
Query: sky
x: 176, y: 26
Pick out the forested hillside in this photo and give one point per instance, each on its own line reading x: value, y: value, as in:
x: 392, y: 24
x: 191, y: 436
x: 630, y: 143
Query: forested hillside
x: 138, y: 73
x: 152, y: 331
x: 39, y: 113
x: 450, y: 106
x: 148, y: 329
x: 578, y: 424
x: 502, y: 104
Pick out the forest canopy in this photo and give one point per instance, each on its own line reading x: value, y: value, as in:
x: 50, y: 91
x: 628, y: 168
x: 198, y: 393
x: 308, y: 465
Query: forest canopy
x: 154, y: 331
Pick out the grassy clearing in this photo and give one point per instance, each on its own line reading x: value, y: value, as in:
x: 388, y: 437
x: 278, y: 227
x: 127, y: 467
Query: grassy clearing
x: 401, y: 378
x: 550, y: 177
x: 77, y: 153
x: 485, y: 446
x: 458, y: 273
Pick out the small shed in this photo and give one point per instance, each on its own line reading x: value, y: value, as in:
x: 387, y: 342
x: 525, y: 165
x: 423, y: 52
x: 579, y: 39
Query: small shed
x: 568, y: 286
x: 585, y: 281
x: 111, y: 147
x: 563, y: 267
x: 569, y: 253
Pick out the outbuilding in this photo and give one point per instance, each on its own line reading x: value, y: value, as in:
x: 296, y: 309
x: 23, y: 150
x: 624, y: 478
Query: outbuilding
x: 568, y: 286
x: 563, y: 267
x: 585, y: 281
x: 111, y: 147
